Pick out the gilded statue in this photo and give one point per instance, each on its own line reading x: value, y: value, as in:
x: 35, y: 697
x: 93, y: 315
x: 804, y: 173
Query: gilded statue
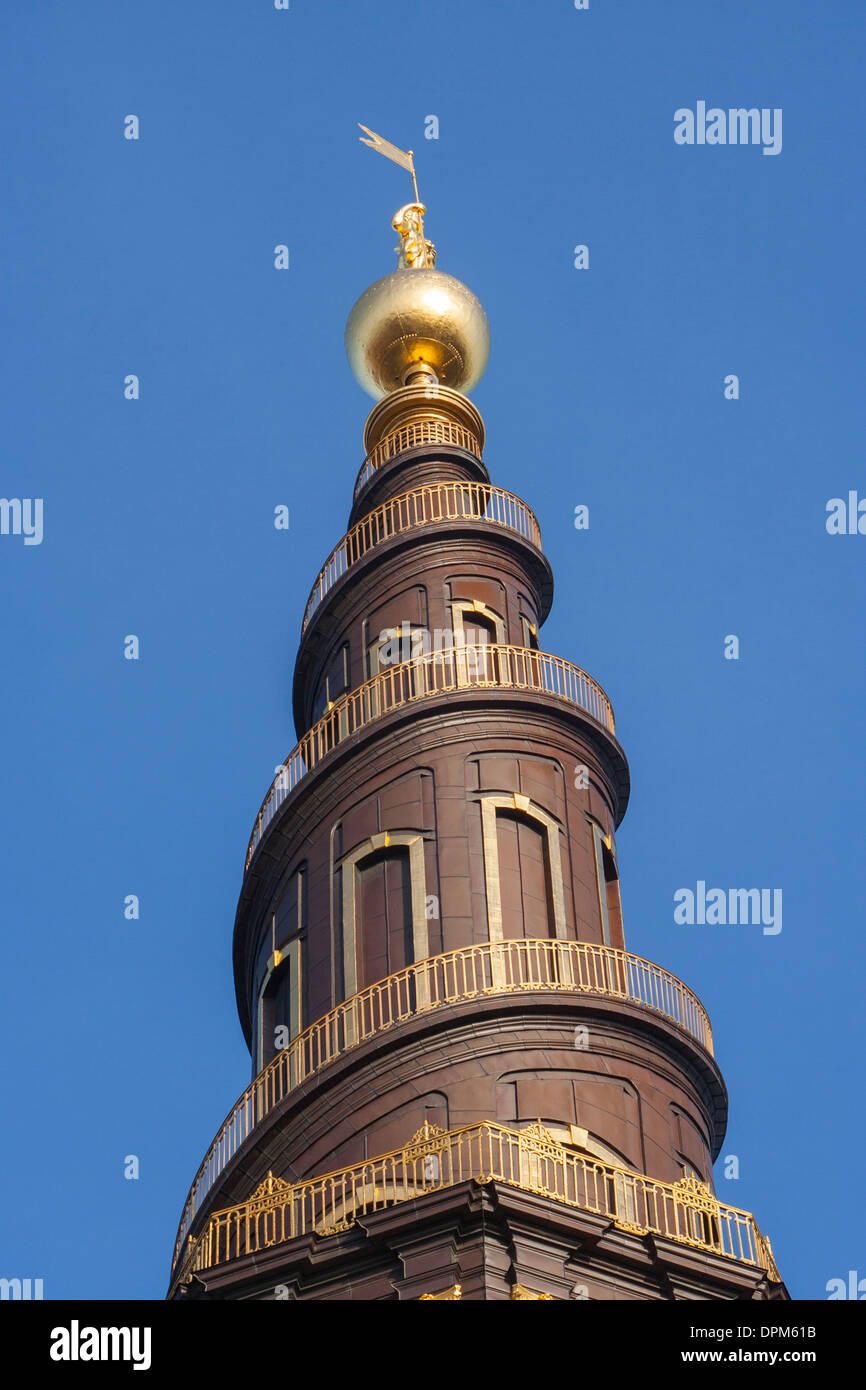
x: 415, y: 252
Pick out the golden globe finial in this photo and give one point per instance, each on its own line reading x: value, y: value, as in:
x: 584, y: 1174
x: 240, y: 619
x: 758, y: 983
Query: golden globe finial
x: 417, y: 322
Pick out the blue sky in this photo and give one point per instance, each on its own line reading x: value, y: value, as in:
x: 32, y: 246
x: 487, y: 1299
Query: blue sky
x: 605, y: 387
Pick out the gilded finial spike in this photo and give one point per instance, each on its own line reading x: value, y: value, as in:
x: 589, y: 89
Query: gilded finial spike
x: 421, y: 329
x: 415, y: 252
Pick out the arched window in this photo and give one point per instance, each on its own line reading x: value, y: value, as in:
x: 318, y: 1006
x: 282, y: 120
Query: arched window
x: 529, y: 899
x: 384, y: 913
x: 279, y: 1011
x: 476, y: 626
x: 393, y: 651
x: 530, y: 633
x: 334, y: 684
x: 384, y: 900
x: 526, y: 889
x: 608, y: 887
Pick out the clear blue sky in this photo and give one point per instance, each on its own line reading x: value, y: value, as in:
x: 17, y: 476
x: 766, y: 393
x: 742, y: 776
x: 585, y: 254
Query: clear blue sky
x: 605, y: 387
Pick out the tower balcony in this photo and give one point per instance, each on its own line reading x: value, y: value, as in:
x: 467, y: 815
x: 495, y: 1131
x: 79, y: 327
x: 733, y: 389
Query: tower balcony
x: 629, y: 1204
x: 424, y: 506
x: 415, y: 434
x: 471, y: 666
x: 414, y: 417
x: 575, y: 970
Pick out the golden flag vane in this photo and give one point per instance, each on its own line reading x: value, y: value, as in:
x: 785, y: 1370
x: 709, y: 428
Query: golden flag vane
x: 415, y: 251
x: 402, y: 157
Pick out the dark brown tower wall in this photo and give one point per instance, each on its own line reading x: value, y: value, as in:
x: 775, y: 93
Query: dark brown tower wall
x: 640, y: 1094
x: 427, y: 773
x: 417, y: 578
x: 418, y: 467
x: 429, y: 950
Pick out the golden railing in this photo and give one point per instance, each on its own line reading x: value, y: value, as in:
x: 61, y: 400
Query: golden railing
x: 484, y: 970
x: 531, y: 1160
x: 422, y: 506
x: 473, y: 665
x: 410, y: 436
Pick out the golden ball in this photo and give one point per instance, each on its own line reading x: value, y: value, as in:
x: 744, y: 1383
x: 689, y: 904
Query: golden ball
x: 414, y: 316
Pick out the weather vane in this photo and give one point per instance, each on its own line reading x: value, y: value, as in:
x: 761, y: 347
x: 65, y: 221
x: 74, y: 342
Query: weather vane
x: 415, y: 252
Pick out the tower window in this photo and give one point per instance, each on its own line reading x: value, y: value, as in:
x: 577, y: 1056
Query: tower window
x: 476, y: 626
x: 522, y: 869
x: 277, y: 1009
x: 280, y: 1008
x: 394, y: 645
x: 383, y: 902
x: 524, y: 876
x: 608, y: 887
x: 530, y: 633
x: 385, y: 914
x: 335, y: 684
x: 280, y: 1003
x: 394, y: 650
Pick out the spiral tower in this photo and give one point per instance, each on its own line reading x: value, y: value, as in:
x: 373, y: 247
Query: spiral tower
x: 464, y: 1086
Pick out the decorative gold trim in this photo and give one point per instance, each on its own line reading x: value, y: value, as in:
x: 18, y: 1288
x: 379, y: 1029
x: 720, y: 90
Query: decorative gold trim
x: 529, y: 1160
x: 423, y: 506
x: 472, y: 972
x: 413, y: 436
x: 452, y: 1295
x: 489, y: 665
x: 269, y: 1192
x: 414, y: 415
x: 521, y: 1295
x: 335, y: 1230
x: 767, y: 1261
x: 542, y: 1137
x: 423, y: 1137
x: 697, y: 1194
